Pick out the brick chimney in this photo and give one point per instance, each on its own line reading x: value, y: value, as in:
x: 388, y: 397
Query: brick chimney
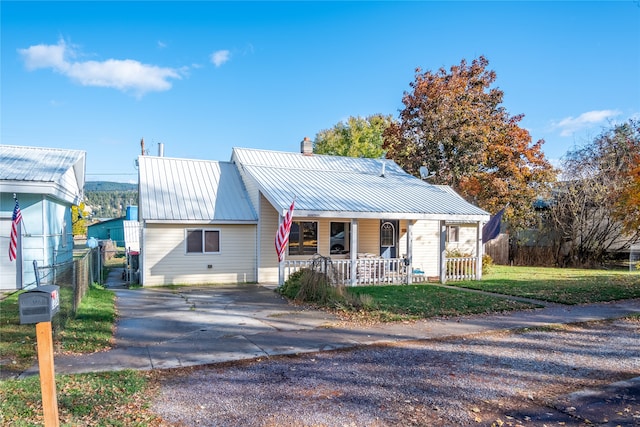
x: 306, y: 146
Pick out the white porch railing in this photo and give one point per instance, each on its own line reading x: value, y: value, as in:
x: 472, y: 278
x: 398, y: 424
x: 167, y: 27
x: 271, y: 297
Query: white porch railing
x: 461, y: 268
x: 369, y: 271
x: 383, y: 271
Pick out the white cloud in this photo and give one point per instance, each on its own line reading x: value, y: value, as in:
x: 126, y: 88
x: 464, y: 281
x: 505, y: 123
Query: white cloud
x: 126, y: 75
x: 46, y: 56
x: 220, y: 57
x: 568, y: 126
x: 161, y: 45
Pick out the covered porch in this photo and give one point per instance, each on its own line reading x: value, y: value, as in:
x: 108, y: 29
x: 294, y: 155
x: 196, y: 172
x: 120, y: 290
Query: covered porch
x: 383, y: 251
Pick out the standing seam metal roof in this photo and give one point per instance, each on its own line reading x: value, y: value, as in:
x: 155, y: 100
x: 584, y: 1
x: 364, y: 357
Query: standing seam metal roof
x: 36, y: 164
x: 192, y: 190
x: 345, y: 186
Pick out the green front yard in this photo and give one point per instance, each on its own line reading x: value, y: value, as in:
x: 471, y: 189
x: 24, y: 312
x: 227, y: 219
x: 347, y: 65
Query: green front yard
x: 564, y: 286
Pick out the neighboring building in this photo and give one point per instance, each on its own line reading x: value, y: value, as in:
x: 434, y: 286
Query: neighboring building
x: 46, y: 182
x: 113, y: 229
x: 215, y: 222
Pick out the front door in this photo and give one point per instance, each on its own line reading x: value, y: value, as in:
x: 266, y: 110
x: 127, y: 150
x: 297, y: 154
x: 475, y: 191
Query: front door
x: 388, y: 238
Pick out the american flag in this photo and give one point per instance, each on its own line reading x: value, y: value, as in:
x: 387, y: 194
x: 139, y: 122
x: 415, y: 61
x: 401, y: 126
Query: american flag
x: 15, y: 222
x: 491, y: 229
x: 282, y: 236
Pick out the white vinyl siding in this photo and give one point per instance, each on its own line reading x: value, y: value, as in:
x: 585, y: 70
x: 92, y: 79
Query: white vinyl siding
x: 369, y: 236
x: 169, y: 263
x: 426, y: 247
x: 466, y: 239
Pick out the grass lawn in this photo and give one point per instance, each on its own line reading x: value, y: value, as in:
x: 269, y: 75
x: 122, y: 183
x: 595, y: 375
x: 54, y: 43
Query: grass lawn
x: 89, y: 331
x: 564, y: 286
x: 393, y: 303
x: 102, y: 399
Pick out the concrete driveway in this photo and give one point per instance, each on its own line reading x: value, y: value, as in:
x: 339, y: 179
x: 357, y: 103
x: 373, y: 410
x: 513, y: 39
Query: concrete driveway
x: 159, y: 328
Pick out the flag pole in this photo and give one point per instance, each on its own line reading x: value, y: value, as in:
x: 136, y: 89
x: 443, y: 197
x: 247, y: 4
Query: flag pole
x: 21, y: 224
x: 282, y: 239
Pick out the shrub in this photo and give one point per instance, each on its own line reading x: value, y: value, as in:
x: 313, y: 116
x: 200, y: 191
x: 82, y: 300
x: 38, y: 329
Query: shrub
x: 487, y: 264
x: 310, y: 286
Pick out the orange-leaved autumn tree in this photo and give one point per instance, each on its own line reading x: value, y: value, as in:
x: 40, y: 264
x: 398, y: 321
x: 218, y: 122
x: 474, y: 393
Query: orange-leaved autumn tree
x: 628, y: 210
x: 625, y: 159
x: 453, y: 122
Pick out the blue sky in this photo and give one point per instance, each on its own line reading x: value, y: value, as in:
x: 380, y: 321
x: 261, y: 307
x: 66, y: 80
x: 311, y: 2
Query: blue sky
x: 203, y: 77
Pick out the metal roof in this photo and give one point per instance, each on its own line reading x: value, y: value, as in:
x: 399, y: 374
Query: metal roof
x: 59, y: 173
x: 350, y: 187
x: 36, y: 164
x: 187, y: 190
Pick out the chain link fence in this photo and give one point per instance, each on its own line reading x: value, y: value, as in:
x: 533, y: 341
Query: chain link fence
x: 76, y: 275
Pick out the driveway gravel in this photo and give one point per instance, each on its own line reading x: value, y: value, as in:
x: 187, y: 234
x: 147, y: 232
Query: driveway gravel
x: 507, y: 378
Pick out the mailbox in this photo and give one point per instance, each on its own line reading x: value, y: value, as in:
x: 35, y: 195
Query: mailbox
x: 39, y: 304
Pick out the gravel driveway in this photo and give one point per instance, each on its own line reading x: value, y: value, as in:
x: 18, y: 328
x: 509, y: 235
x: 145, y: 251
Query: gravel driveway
x: 507, y: 378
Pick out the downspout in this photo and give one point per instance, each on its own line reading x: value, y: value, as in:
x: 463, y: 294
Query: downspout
x: 443, y: 251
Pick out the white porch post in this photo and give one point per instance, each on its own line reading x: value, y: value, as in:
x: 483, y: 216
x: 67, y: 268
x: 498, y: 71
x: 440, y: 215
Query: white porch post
x: 353, y: 252
x: 443, y: 251
x: 479, y: 250
x: 410, y: 251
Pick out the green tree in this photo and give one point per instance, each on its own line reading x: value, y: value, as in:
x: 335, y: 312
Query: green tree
x: 454, y: 124
x: 78, y: 215
x: 358, y: 137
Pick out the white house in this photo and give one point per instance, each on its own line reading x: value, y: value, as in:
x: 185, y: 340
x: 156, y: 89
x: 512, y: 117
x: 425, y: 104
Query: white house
x: 198, y: 225
x: 214, y: 222
x: 46, y: 182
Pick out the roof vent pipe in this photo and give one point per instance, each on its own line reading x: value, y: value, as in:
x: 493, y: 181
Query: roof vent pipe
x: 306, y: 146
x: 160, y: 149
x: 384, y: 166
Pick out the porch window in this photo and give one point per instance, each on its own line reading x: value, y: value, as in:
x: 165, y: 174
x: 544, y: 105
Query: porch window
x: 453, y: 233
x: 203, y: 241
x: 303, y: 238
x: 339, y: 238
x: 387, y: 235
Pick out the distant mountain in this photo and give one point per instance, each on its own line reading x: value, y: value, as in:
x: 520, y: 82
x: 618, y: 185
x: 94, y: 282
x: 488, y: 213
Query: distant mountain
x: 109, y: 186
x: 110, y: 199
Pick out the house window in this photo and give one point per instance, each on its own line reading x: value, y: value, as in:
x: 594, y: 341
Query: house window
x: 339, y: 238
x: 303, y: 238
x: 387, y: 235
x: 203, y: 241
x: 453, y: 233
